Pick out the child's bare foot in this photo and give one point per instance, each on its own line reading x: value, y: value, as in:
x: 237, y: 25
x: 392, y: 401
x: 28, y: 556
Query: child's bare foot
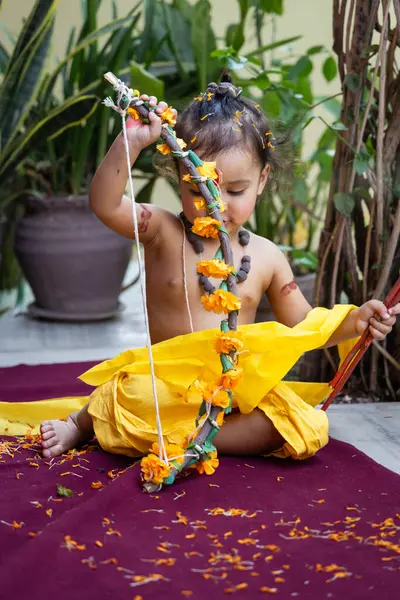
x: 60, y: 436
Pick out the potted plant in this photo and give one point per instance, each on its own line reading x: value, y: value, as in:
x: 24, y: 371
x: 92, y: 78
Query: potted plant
x: 21, y: 127
x: 74, y: 264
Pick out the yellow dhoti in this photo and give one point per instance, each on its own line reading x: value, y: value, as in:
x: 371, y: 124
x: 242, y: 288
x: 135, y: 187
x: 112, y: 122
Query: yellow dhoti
x: 122, y: 405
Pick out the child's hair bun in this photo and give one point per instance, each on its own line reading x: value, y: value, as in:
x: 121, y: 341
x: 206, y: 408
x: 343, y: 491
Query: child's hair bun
x: 224, y: 88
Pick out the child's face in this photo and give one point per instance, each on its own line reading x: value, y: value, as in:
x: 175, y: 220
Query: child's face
x: 242, y: 181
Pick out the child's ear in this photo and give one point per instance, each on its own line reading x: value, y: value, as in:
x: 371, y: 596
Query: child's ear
x: 263, y: 179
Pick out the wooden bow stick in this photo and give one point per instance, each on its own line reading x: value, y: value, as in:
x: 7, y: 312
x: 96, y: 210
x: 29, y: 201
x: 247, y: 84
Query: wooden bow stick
x: 360, y: 348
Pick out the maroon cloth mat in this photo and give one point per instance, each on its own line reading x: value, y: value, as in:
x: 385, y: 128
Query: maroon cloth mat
x: 322, y: 528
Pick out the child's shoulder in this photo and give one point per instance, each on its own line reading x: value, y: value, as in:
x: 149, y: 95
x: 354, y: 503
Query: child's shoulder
x: 264, y: 244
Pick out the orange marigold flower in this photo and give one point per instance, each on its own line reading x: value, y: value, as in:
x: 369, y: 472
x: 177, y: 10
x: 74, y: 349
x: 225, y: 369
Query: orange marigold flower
x: 206, y: 227
x: 228, y: 342
x: 133, y: 113
x: 207, y: 169
x: 208, y: 466
x: 168, y: 116
x: 154, y: 469
x: 165, y: 149
x: 172, y: 450
x: 231, y: 378
x: 213, y: 394
x: 187, y: 178
x: 221, y: 301
x: 214, y: 268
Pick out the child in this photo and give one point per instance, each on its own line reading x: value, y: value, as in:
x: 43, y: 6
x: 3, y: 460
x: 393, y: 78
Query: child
x: 231, y: 130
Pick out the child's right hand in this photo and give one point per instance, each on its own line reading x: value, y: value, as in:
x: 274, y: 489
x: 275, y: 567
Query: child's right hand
x: 141, y: 134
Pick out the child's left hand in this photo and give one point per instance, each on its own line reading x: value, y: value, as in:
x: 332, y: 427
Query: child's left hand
x: 375, y: 316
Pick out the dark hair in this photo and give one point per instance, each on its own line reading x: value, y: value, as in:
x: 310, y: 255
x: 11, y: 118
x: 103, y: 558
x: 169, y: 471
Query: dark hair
x: 221, y: 119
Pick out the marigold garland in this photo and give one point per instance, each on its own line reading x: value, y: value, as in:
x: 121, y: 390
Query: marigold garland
x: 216, y: 395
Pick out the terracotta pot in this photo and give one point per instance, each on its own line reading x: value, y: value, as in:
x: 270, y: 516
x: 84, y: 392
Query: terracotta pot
x: 306, y: 285
x: 73, y: 263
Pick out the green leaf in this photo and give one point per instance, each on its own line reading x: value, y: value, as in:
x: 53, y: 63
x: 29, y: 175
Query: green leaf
x: 208, y: 447
x: 344, y: 203
x: 302, y: 68
x: 301, y: 191
x: 339, y: 126
x: 306, y: 124
x: 352, y: 81
x: 54, y: 121
x: 272, y: 6
x: 315, y: 50
x: 63, y: 491
x: 145, y: 81
x: 21, y: 83
x: 235, y: 36
x: 274, y: 45
x: 47, y: 89
x: 362, y: 162
x: 203, y: 40
x: 271, y: 104
x: 329, y: 68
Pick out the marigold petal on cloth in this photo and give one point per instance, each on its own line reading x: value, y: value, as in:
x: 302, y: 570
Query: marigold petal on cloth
x: 122, y: 405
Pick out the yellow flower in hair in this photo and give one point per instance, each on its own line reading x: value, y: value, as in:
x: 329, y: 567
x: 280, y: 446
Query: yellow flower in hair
x: 133, y: 113
x: 231, y: 378
x: 199, y: 202
x: 207, y: 169
x: 214, y: 268
x: 173, y: 451
x: 221, y: 301
x: 187, y: 178
x: 154, y: 469
x: 206, y: 227
x: 228, y: 342
x: 208, y: 466
x: 168, y: 117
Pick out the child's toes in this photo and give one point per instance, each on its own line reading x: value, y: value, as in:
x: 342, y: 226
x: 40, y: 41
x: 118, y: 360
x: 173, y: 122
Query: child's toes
x: 55, y: 450
x: 48, y: 435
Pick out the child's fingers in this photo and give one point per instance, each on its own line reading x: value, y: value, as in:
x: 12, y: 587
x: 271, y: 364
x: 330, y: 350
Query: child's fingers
x: 395, y: 310
x: 153, y: 101
x: 144, y: 97
x: 383, y: 328
x: 379, y: 308
x: 161, y: 107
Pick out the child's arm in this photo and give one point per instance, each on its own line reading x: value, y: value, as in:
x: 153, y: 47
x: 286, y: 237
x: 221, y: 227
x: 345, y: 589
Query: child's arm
x: 286, y: 299
x: 290, y: 308
x: 107, y: 198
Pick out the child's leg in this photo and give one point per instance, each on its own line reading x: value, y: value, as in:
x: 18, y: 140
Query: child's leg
x: 60, y: 436
x: 248, y: 435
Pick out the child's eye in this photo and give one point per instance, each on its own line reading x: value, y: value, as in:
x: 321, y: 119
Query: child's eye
x: 237, y: 193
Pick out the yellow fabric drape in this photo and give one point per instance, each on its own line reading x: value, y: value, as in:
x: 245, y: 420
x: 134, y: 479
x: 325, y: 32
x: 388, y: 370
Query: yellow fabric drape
x: 122, y: 404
